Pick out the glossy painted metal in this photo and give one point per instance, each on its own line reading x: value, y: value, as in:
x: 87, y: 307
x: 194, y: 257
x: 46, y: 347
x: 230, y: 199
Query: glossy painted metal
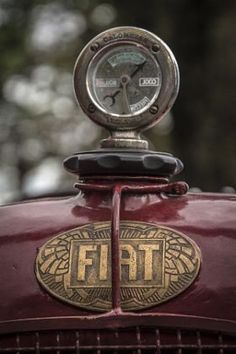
x: 208, y: 219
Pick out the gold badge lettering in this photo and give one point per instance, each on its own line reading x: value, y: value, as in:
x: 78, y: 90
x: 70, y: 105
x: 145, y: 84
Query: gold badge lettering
x: 83, y: 261
x: 156, y: 263
x: 130, y: 260
x: 148, y: 259
x: 103, y: 269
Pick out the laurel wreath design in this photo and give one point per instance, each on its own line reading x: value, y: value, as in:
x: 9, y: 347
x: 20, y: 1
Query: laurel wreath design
x: 181, y: 266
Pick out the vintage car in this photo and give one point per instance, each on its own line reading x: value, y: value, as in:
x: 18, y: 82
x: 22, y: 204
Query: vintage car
x: 134, y: 262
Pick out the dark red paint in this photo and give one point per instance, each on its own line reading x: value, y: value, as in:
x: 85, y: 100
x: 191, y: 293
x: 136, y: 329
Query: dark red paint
x: 209, y: 219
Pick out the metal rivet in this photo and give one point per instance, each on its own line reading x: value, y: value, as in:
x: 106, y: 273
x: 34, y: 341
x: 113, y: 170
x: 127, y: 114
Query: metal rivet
x: 153, y: 109
x: 95, y: 46
x: 155, y: 47
x: 91, y: 108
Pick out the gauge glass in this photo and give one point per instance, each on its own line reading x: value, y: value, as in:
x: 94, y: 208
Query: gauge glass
x: 124, y: 81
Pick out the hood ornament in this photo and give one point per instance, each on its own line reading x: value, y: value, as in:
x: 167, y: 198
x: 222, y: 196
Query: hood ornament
x: 126, y: 79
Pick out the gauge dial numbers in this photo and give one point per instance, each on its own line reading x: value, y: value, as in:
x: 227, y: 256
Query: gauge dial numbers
x: 126, y: 79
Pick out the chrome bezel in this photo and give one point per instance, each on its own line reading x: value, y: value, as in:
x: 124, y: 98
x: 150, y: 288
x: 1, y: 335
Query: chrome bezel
x: 92, y: 65
x: 158, y: 50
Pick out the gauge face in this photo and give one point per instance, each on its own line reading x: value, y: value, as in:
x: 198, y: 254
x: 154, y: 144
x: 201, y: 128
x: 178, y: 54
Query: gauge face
x: 124, y: 81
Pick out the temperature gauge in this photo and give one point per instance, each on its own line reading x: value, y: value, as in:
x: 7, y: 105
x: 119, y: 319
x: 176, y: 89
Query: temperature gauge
x: 126, y: 79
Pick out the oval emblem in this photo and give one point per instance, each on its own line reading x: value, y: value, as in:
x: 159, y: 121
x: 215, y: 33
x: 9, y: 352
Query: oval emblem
x: 157, y: 263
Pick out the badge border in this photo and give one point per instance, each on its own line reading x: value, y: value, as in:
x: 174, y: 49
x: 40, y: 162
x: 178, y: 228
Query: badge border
x: 127, y: 223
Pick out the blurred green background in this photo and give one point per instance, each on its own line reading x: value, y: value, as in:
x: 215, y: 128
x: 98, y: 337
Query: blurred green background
x: 41, y: 124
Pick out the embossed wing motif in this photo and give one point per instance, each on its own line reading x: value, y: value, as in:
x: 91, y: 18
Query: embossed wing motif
x: 55, y: 257
x: 157, y: 264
